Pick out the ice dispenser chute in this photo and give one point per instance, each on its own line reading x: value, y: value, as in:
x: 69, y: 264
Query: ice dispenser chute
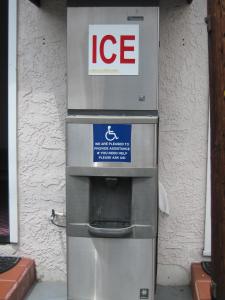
x: 110, y: 206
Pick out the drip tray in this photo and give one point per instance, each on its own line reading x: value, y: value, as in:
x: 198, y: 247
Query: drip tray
x: 110, y: 224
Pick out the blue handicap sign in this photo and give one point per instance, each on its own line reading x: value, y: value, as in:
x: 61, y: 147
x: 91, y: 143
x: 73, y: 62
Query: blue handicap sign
x: 112, y: 142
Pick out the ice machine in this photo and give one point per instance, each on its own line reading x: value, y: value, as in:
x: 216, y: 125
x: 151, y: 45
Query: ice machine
x: 112, y: 149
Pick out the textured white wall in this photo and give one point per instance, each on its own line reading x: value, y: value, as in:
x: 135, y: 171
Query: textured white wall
x: 183, y: 136
x: 41, y: 135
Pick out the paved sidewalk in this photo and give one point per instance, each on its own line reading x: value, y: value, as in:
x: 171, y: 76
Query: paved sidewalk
x: 57, y: 291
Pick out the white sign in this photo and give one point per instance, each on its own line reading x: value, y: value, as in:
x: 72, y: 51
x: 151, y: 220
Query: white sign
x: 113, y: 50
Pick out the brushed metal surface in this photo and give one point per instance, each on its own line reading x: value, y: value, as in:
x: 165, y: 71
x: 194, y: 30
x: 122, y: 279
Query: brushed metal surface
x: 109, y: 269
x: 137, y: 232
x: 90, y: 119
x: 138, y: 92
x: 144, y: 203
x: 143, y: 148
x: 111, y: 172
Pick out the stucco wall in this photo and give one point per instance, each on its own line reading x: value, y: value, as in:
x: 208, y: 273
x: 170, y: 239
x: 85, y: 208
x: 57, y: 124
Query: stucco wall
x: 41, y: 135
x: 183, y: 109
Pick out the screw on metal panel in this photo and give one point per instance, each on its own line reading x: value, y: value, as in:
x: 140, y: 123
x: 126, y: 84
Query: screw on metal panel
x: 141, y: 98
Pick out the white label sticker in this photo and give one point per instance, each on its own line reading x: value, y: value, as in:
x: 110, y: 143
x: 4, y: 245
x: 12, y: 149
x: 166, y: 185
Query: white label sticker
x: 113, y: 50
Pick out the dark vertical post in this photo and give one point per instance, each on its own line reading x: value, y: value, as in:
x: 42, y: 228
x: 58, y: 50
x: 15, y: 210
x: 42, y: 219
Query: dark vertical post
x: 4, y: 120
x: 216, y: 25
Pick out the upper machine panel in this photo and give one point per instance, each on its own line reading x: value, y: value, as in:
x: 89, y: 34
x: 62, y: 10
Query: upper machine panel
x: 113, y: 58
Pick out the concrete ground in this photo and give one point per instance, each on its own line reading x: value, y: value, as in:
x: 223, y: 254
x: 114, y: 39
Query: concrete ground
x: 57, y: 291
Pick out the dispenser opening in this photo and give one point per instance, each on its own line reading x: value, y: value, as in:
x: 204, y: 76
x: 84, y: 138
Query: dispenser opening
x: 110, y: 202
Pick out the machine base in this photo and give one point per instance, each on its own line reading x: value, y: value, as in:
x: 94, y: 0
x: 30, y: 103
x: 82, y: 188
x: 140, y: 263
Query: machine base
x: 109, y: 269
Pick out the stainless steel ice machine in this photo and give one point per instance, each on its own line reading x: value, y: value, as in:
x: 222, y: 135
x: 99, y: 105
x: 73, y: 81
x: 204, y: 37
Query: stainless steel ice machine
x: 112, y: 149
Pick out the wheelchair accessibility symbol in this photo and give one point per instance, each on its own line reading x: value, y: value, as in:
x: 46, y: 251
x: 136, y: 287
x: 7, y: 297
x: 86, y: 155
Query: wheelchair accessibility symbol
x: 110, y: 135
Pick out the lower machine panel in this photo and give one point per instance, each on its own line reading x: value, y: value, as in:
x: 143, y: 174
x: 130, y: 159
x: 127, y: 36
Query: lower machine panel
x: 111, y: 269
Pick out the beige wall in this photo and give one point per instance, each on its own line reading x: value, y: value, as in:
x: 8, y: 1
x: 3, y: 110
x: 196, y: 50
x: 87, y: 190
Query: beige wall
x: 183, y: 105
